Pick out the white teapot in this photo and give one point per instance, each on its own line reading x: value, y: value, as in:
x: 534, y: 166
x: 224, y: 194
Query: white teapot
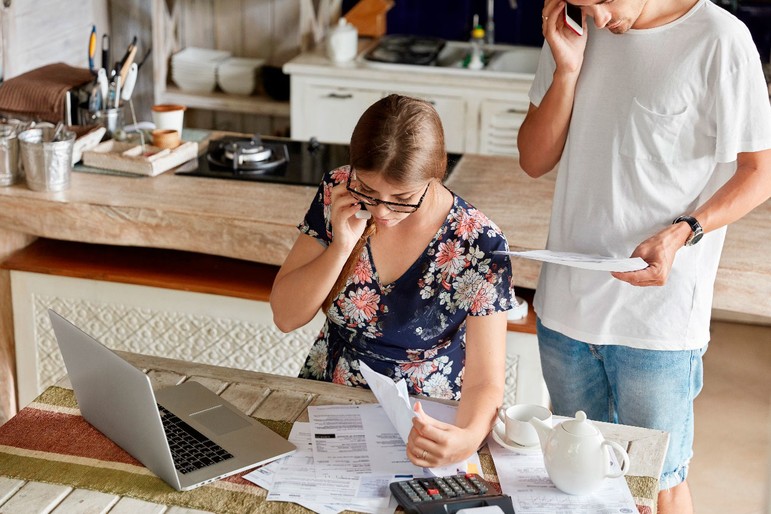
x: 576, y: 454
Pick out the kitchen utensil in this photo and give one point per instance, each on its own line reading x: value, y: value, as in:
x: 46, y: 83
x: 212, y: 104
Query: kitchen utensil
x: 9, y: 156
x: 105, y: 52
x: 91, y: 48
x: 47, y: 164
x: 342, y: 42
x: 576, y: 454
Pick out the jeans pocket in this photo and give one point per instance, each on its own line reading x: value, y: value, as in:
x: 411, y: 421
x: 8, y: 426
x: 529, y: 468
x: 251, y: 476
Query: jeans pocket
x: 651, y: 136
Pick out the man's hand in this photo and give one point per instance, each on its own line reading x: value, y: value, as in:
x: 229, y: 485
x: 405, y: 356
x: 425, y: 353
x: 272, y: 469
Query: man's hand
x: 566, y: 46
x: 659, y: 252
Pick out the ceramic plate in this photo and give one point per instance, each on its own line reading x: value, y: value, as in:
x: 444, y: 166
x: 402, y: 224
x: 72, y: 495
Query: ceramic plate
x: 499, y: 435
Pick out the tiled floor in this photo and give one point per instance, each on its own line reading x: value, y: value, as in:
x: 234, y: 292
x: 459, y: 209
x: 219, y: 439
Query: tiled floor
x: 730, y: 468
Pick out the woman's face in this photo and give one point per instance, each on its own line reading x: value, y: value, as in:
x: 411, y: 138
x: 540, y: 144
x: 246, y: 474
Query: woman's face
x: 400, y: 197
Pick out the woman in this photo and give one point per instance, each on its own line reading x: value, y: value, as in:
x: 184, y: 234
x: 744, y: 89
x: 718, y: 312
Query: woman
x: 414, y: 292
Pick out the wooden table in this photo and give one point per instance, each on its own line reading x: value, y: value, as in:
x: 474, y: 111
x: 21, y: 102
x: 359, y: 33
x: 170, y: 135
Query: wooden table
x: 274, y: 398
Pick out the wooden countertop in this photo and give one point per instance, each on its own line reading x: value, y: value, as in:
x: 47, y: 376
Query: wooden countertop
x: 257, y: 221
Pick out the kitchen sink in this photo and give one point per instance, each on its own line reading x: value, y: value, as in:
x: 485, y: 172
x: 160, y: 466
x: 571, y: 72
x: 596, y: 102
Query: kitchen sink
x: 502, y: 61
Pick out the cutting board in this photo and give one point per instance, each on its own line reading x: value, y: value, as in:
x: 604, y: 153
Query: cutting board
x: 129, y: 157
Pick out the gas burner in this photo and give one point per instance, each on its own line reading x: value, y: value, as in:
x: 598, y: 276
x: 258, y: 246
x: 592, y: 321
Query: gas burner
x: 401, y: 49
x: 242, y: 155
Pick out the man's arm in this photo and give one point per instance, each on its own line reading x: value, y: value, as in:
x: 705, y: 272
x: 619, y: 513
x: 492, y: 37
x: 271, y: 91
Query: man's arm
x: 749, y: 187
x: 542, y: 135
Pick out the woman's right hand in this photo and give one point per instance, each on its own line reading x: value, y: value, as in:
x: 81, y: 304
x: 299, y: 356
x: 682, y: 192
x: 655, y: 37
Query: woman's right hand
x: 346, y: 227
x: 566, y: 46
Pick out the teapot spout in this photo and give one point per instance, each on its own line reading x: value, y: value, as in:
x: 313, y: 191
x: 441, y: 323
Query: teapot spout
x: 543, y: 430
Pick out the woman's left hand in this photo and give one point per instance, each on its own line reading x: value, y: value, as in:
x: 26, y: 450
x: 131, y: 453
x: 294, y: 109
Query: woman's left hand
x: 433, y: 443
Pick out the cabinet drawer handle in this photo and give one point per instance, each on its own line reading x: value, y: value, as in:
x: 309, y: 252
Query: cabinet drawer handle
x: 516, y: 111
x: 339, y: 96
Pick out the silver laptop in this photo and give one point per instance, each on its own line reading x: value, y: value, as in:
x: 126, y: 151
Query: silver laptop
x: 185, y: 434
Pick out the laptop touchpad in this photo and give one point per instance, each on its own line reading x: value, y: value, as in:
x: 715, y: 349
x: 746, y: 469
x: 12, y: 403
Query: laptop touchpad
x: 220, y: 420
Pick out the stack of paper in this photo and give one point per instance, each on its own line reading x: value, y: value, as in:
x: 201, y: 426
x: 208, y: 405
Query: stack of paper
x: 347, y: 455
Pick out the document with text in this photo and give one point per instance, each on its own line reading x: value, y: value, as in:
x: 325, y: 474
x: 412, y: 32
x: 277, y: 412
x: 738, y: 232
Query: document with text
x: 582, y: 260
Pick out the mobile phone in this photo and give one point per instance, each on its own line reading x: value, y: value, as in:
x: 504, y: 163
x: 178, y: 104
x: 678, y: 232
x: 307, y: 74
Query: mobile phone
x: 573, y: 18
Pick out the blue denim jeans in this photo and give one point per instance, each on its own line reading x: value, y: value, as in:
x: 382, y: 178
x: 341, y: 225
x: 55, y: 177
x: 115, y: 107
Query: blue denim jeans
x: 617, y: 384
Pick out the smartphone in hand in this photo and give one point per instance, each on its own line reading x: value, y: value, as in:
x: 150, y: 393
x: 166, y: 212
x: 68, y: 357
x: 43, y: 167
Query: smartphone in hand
x: 573, y: 18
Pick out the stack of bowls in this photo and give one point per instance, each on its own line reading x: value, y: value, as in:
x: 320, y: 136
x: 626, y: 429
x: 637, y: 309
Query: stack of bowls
x: 195, y: 69
x: 238, y: 75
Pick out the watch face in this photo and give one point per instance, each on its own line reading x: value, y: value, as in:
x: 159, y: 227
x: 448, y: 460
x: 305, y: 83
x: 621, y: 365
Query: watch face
x: 695, y: 238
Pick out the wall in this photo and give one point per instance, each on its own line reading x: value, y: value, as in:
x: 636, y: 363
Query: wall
x: 39, y: 32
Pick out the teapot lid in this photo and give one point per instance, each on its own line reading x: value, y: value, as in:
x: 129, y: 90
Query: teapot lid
x: 580, y: 425
x: 343, y: 26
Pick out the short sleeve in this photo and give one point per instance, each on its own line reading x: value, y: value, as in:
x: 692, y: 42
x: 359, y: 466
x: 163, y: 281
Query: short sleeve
x: 543, y: 75
x: 742, y: 112
x: 495, y: 292
x: 317, y: 222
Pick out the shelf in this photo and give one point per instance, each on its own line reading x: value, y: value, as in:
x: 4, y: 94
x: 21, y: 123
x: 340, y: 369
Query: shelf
x: 216, y: 101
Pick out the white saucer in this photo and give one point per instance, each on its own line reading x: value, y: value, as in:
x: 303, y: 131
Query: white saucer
x: 499, y: 435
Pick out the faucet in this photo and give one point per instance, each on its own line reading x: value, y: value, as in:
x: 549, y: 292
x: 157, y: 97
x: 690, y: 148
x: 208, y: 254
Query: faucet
x: 490, y: 27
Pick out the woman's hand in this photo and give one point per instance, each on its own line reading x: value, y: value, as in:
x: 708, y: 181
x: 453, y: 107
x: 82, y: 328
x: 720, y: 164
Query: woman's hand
x: 566, y: 46
x: 346, y: 227
x: 433, y: 443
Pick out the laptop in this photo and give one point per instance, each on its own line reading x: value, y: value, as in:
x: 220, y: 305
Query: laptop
x: 185, y: 434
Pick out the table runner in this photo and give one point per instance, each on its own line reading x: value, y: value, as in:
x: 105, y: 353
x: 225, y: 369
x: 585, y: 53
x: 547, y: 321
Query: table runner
x: 49, y: 441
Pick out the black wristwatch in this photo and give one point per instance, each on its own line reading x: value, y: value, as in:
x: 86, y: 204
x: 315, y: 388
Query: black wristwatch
x: 696, y: 230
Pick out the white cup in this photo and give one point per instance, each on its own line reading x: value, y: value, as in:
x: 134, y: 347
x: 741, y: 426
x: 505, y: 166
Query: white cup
x: 168, y: 117
x: 516, y: 420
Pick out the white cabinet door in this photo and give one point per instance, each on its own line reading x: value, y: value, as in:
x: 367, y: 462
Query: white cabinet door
x: 499, y: 126
x: 330, y: 113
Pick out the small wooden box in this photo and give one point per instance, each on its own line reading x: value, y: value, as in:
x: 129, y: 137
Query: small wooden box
x: 128, y: 157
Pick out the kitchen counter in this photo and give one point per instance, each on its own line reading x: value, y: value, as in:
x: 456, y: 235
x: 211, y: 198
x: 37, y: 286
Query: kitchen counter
x: 257, y: 221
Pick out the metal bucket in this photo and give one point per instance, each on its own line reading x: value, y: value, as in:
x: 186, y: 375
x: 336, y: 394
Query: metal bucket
x: 47, y: 164
x: 9, y: 156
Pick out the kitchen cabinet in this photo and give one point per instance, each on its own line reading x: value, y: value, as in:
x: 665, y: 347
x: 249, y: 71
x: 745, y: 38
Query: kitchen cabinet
x: 480, y: 114
x: 499, y: 123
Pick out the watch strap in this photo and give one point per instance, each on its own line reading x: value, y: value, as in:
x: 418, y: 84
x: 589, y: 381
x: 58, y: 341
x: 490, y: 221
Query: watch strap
x: 696, y: 231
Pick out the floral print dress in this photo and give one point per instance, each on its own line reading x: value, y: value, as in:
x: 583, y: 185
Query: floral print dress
x: 415, y: 327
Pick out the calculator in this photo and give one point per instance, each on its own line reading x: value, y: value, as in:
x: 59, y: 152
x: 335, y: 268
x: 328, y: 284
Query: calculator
x: 447, y: 495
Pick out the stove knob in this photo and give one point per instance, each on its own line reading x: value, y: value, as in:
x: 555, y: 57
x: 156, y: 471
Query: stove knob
x: 314, y: 145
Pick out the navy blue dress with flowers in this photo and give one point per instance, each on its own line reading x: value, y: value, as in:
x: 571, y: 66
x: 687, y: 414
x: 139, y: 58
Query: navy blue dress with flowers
x: 415, y: 327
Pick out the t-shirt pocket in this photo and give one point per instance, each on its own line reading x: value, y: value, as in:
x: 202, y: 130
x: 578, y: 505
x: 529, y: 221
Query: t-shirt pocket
x: 651, y: 136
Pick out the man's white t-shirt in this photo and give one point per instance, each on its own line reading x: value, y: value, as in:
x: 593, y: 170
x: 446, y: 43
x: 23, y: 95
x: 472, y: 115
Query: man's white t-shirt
x: 659, y: 117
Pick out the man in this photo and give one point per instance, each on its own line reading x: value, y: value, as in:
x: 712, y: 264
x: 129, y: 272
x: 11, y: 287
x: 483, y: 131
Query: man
x: 661, y: 130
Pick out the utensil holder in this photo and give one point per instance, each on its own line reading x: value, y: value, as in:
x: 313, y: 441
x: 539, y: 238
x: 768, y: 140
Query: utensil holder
x: 9, y: 156
x: 47, y: 164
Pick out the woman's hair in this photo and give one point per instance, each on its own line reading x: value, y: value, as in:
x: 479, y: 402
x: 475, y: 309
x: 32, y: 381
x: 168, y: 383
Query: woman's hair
x: 402, y: 139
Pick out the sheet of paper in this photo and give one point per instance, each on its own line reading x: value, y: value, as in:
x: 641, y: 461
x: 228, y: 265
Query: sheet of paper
x: 523, y: 477
x: 353, y: 440
x: 582, y: 260
x: 394, y: 398
x: 398, y: 406
x: 292, y: 479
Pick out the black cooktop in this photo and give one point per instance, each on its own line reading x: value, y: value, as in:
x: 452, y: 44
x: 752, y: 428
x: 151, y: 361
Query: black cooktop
x: 305, y: 162
x: 292, y: 162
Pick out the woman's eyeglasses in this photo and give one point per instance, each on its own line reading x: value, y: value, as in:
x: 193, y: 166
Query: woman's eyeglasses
x: 392, y: 206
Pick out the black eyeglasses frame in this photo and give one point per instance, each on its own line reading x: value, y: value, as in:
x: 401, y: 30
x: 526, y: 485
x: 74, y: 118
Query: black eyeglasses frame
x: 368, y: 200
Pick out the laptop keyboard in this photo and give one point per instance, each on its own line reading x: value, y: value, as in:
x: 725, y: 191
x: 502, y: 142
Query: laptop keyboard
x: 190, y: 449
